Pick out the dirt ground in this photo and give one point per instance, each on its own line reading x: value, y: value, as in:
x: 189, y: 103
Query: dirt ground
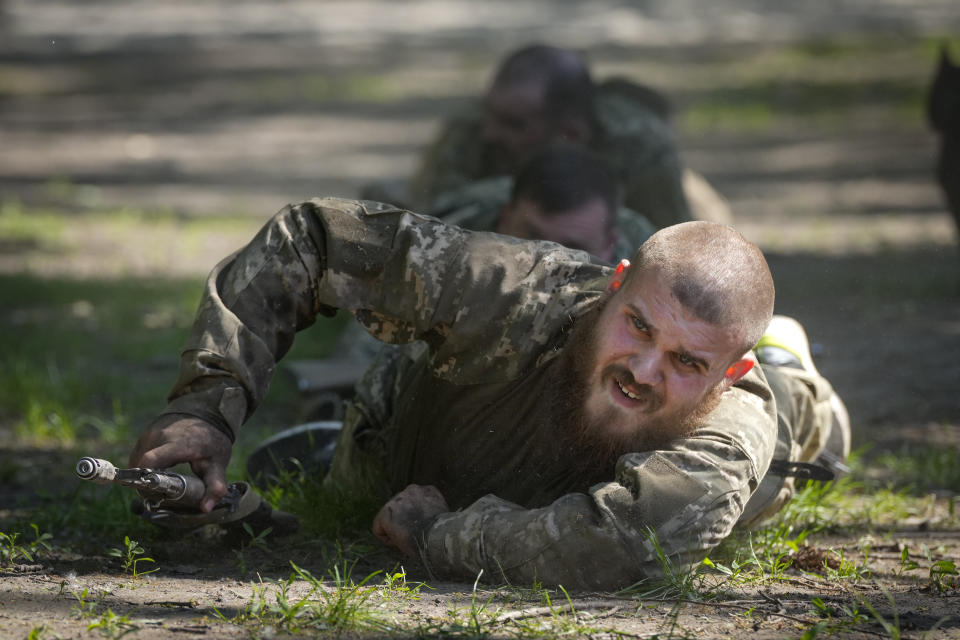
x: 206, y: 108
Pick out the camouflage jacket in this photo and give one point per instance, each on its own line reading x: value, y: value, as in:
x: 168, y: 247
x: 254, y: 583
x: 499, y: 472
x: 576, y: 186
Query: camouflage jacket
x: 477, y: 207
x: 469, y: 415
x: 636, y: 141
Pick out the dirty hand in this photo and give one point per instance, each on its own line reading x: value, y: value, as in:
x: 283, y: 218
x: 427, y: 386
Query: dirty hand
x: 406, y: 517
x: 173, y: 439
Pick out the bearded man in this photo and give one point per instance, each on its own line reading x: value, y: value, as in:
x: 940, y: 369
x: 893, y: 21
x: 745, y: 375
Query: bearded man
x: 565, y: 420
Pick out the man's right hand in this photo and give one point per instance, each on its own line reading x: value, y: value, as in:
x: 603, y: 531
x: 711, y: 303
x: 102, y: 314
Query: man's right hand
x: 173, y: 439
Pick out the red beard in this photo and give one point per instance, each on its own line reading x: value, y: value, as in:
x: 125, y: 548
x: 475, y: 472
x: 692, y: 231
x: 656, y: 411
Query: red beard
x: 591, y: 445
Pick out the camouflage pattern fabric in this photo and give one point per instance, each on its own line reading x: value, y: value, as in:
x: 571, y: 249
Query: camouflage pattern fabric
x: 467, y: 412
x: 804, y: 421
x: 633, y: 138
x: 477, y: 207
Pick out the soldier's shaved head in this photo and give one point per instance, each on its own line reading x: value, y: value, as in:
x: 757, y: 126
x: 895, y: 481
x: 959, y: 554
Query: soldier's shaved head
x: 654, y: 357
x: 715, y: 273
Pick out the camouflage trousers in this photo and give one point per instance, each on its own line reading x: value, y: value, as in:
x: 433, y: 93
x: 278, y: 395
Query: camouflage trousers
x: 804, y: 421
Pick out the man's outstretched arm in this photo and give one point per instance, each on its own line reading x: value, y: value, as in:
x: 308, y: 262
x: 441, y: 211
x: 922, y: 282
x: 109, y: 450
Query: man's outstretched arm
x: 252, y: 304
x: 308, y: 259
x: 405, y: 276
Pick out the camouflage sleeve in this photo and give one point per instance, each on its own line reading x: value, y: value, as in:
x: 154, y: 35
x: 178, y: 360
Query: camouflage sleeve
x: 676, y: 503
x: 309, y: 259
x: 452, y: 160
x: 404, y: 276
x: 253, y: 303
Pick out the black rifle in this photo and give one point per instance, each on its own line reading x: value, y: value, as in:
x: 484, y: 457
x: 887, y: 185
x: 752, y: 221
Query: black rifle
x: 173, y: 500
x: 157, y: 488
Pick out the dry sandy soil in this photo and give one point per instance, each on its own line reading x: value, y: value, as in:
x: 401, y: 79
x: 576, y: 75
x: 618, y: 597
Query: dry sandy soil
x: 240, y: 107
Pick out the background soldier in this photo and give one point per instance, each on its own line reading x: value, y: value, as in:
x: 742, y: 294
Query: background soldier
x: 564, y: 194
x: 542, y: 95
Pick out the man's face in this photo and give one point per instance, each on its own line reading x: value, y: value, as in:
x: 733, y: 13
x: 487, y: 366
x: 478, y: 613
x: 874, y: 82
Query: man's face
x: 584, y: 227
x: 649, y: 370
x: 513, y: 126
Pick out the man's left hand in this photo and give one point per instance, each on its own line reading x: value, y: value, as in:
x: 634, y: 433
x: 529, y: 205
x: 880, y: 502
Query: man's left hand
x: 402, y: 522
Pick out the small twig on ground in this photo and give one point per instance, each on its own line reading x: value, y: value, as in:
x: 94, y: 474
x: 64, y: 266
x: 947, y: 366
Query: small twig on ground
x: 605, y: 614
x: 591, y: 605
x: 21, y: 569
x: 804, y: 581
x: 771, y: 600
x: 171, y: 603
x: 534, y: 612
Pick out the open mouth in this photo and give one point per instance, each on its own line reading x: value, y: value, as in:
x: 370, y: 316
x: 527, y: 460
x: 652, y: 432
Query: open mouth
x: 634, y: 396
x: 626, y: 392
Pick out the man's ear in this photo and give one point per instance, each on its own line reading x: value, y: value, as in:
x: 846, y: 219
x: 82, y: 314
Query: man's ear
x: 736, y: 371
x: 619, y: 275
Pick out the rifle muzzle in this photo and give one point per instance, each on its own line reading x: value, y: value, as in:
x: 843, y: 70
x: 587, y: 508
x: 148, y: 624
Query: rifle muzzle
x: 96, y: 470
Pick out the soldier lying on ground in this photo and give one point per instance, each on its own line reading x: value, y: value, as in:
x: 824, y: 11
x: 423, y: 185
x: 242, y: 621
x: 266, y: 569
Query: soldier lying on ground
x: 565, y: 415
x: 541, y: 95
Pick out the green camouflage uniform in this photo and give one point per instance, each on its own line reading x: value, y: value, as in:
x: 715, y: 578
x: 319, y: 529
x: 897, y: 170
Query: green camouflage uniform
x: 477, y: 207
x: 466, y: 412
x: 636, y: 141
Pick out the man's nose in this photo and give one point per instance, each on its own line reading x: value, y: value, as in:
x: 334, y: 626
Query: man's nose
x: 647, y: 368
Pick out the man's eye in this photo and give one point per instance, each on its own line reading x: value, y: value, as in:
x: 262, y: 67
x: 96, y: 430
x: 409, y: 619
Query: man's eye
x: 687, y: 361
x: 638, y: 324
